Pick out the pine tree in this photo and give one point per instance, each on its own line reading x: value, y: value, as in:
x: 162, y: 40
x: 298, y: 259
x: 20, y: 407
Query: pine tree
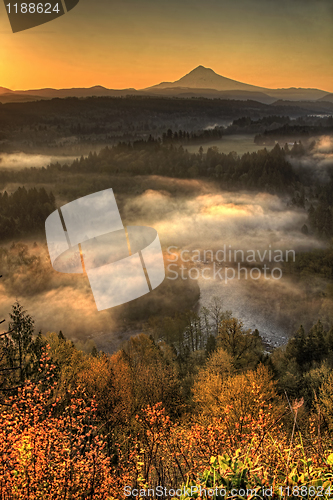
x: 21, y: 348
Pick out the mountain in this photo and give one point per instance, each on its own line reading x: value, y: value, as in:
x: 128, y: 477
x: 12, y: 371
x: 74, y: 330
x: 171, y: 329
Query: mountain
x: 200, y: 82
x: 13, y: 97
x: 74, y: 92
x: 238, y: 95
x: 326, y: 98
x: 4, y: 91
x: 206, y: 78
x: 296, y: 94
x: 7, y: 95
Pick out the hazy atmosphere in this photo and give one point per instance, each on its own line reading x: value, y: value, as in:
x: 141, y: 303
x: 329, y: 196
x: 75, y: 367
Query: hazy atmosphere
x: 166, y: 254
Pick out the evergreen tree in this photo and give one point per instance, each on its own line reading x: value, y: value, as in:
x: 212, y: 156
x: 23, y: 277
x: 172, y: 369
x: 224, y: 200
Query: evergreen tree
x: 22, y: 349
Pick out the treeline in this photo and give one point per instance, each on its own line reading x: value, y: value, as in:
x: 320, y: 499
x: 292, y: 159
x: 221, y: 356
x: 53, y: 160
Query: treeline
x: 63, y: 117
x: 89, y: 425
x: 308, y: 120
x: 292, y: 131
x: 275, y: 127
x: 24, y: 211
x: 184, y: 137
x: 251, y: 125
x: 245, y: 121
x: 265, y: 170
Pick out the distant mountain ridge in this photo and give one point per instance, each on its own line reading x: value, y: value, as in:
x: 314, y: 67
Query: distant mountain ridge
x: 206, y: 78
x: 200, y: 82
x: 327, y: 98
x: 97, y: 90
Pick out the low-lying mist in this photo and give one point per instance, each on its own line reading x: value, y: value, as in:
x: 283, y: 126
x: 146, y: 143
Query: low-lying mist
x: 212, y: 219
x: 317, y: 164
x: 189, y: 215
x: 19, y: 161
x: 250, y: 222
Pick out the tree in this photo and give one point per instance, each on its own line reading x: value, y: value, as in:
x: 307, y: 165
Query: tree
x: 45, y: 454
x: 22, y: 344
x: 316, y: 347
x: 209, y: 381
x: 20, y: 352
x: 145, y: 373
x: 245, y: 347
x: 296, y: 347
x: 326, y: 399
x: 215, y: 311
x: 243, y: 402
x: 7, y: 370
x: 309, y: 348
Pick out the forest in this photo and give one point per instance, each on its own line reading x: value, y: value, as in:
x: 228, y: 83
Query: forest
x: 24, y: 212
x: 207, y: 408
x: 42, y: 125
x: 266, y: 171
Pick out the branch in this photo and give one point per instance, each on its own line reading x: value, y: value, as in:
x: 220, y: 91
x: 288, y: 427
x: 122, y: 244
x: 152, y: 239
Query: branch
x: 6, y: 333
x: 11, y: 388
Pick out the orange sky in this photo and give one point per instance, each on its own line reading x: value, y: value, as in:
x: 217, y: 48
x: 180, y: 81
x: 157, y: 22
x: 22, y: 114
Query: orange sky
x: 138, y: 44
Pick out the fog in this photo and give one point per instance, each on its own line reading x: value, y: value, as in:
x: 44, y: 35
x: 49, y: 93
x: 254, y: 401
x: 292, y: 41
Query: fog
x: 241, y: 144
x: 211, y: 219
x: 22, y: 160
x: 188, y: 215
x: 55, y: 300
x: 317, y: 165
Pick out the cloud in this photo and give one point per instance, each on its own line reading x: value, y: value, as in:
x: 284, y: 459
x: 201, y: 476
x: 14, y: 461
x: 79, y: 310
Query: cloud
x: 317, y: 165
x: 188, y: 214
x: 23, y: 160
x: 211, y: 219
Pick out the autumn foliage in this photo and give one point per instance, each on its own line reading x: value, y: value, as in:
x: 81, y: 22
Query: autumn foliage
x: 48, y: 454
x: 85, y: 426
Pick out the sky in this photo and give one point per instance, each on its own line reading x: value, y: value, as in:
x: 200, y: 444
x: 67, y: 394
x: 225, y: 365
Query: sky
x: 136, y: 44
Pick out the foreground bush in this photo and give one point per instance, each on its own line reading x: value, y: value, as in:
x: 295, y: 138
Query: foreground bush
x: 51, y: 448
x: 59, y: 440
